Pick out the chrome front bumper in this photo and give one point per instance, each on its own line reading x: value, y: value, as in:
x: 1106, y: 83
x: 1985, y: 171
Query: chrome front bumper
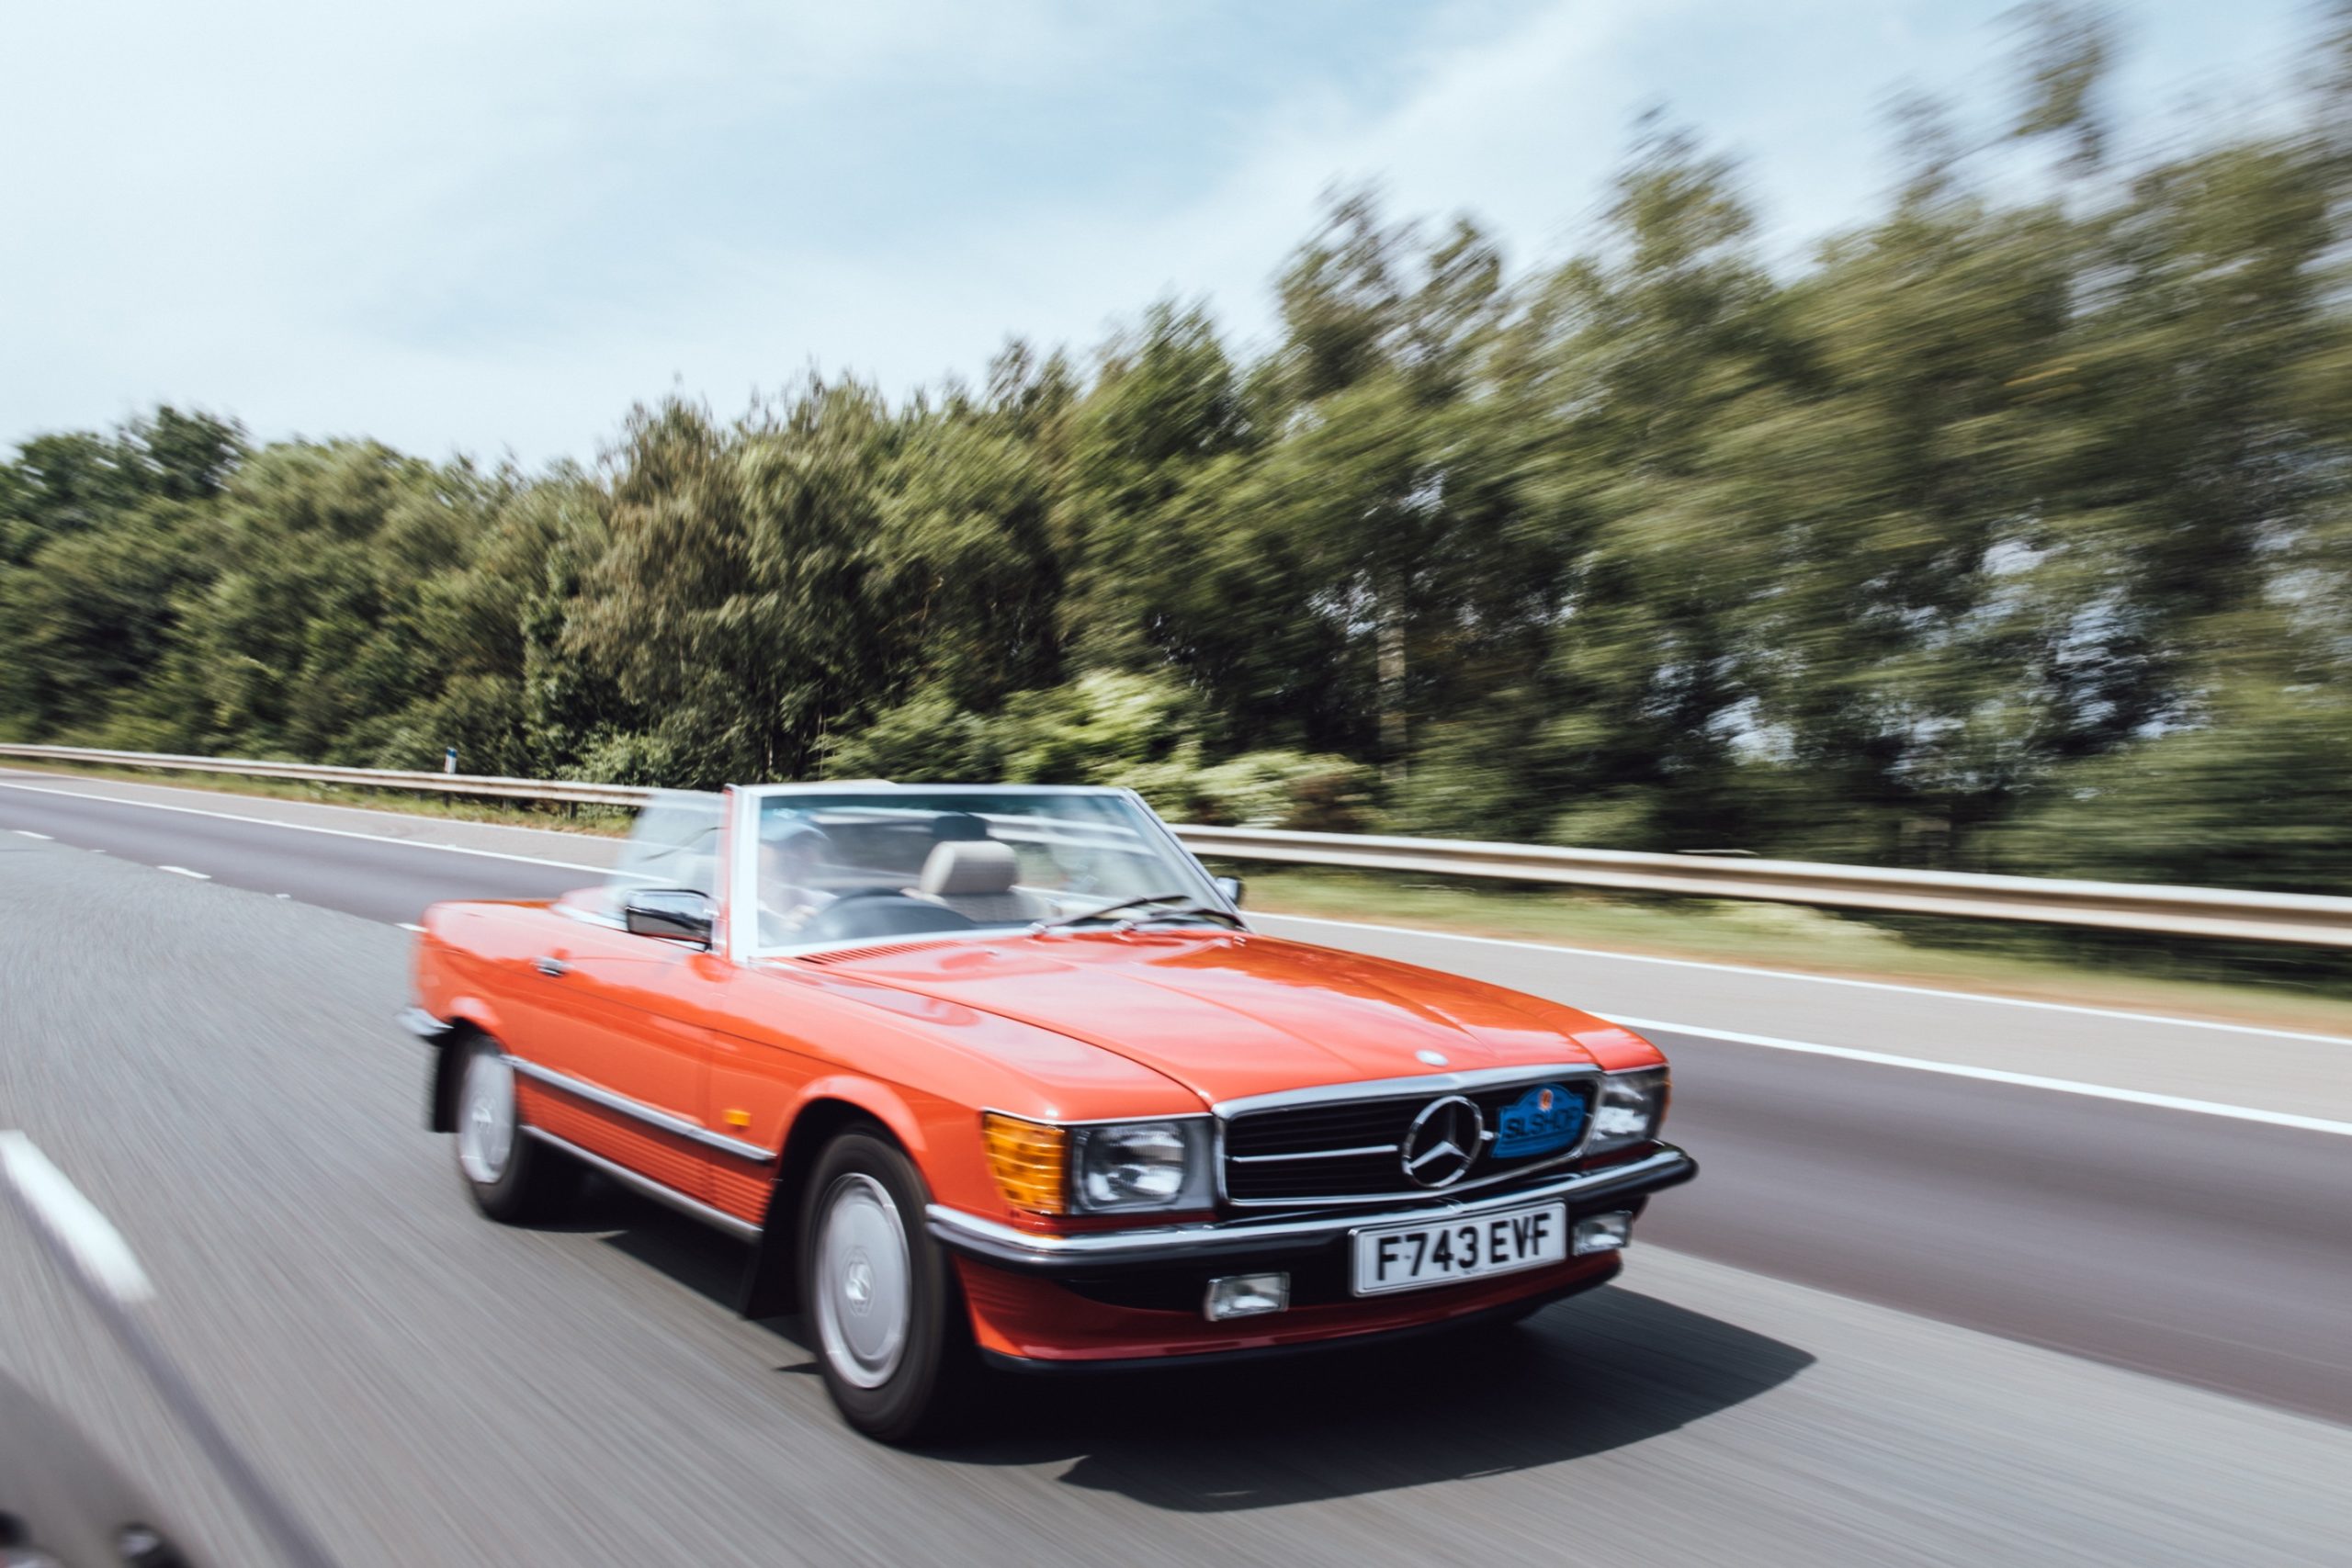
x: 1007, y: 1246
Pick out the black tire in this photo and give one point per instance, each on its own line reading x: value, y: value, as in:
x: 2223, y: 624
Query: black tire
x: 531, y: 1181
x: 917, y: 1392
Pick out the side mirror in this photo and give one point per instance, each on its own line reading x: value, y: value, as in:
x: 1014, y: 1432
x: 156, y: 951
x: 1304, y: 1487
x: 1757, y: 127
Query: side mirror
x: 672, y: 912
x: 1231, y: 887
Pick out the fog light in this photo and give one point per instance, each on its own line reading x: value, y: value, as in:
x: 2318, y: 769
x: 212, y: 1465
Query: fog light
x: 1603, y: 1233
x: 1245, y: 1295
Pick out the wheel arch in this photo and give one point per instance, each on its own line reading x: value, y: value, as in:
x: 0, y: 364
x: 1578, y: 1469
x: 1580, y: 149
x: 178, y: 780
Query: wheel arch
x: 448, y: 1066
x: 771, y: 1276
x: 468, y: 1019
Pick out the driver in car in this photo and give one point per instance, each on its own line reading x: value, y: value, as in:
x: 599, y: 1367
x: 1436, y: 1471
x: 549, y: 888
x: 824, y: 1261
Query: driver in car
x: 792, y: 857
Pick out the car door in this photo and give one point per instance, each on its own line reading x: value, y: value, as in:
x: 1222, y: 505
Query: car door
x: 620, y: 1062
x: 615, y: 1056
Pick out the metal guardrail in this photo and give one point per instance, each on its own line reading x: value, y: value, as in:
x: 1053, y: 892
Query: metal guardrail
x: 372, y: 778
x: 2147, y: 907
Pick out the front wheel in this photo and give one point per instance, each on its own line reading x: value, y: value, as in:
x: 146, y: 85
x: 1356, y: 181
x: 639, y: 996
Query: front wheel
x: 891, y: 1340
x: 512, y: 1177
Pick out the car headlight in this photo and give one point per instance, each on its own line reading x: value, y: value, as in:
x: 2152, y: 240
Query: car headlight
x: 1140, y: 1165
x: 1629, y: 1110
x: 1100, y: 1167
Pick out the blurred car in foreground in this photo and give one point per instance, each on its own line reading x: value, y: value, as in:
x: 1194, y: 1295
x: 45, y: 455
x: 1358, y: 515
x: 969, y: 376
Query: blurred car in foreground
x: 1002, y: 1070
x: 63, y: 1504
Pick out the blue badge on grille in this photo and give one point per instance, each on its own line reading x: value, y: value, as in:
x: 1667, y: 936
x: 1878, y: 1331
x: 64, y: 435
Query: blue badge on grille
x: 1543, y: 1121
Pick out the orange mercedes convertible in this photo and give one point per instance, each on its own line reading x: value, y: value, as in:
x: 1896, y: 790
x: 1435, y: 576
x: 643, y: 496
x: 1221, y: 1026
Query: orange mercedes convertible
x: 1001, y: 1075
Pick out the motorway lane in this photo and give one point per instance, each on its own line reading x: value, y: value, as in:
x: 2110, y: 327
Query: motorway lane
x: 2266, y: 1069
x: 2215, y: 1251
x: 382, y: 879
x: 2162, y: 1049
x: 214, y: 1068
x: 2212, y: 1251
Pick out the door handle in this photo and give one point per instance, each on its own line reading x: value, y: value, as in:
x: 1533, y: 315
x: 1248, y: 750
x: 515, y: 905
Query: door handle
x: 553, y: 968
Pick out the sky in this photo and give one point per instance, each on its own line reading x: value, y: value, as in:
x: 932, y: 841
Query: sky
x: 492, y: 226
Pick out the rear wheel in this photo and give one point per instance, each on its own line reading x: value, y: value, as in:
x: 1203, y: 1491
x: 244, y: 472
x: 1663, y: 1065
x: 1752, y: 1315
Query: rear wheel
x: 512, y: 1178
x: 891, y: 1339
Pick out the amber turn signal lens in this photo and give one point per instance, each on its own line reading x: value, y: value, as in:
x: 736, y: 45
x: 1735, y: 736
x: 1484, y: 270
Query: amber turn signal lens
x: 1031, y: 1161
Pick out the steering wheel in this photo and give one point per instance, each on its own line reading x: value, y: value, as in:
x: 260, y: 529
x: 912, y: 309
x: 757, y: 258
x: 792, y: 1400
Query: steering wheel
x: 880, y: 911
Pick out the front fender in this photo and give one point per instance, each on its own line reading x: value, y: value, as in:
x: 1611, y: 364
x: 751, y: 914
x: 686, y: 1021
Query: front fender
x: 467, y: 1016
x: 477, y: 1010
x: 881, y: 1101
x: 825, y: 1105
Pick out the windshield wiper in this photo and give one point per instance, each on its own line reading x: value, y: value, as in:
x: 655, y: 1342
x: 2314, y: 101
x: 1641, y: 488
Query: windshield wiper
x: 1187, y: 904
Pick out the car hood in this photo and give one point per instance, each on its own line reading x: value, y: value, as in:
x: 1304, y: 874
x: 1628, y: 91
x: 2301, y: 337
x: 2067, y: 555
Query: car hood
x: 1229, y: 1015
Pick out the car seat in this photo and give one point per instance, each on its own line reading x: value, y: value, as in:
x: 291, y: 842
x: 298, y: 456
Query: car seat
x: 974, y: 877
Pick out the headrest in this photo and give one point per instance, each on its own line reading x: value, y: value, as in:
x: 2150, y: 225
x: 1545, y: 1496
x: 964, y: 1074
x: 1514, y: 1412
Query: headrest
x: 964, y: 867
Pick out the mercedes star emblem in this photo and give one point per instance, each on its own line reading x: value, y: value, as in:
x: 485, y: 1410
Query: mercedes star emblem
x: 1443, y: 1141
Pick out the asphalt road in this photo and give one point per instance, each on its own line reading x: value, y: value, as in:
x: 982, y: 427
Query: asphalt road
x: 214, y: 1065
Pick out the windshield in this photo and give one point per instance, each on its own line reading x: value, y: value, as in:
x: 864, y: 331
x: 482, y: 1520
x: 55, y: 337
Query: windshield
x: 857, y: 864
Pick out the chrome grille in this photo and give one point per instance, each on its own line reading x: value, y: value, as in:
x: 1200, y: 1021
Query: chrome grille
x: 1336, y: 1151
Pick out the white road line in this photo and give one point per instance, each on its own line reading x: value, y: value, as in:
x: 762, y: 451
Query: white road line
x: 402, y: 924
x: 311, y: 827
x: 183, y: 871
x: 58, y: 1207
x: 1994, y: 1074
x: 29, y: 833
x: 2126, y: 1014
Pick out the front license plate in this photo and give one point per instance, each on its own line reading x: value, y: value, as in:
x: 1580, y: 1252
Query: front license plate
x: 1407, y: 1257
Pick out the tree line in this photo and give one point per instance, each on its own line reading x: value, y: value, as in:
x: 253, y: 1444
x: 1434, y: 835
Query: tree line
x: 2008, y: 532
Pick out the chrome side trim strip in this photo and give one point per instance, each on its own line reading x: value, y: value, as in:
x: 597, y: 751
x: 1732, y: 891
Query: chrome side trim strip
x: 642, y: 1112
x: 1418, y: 1083
x: 1311, y: 1153
x: 993, y: 1241
x: 693, y: 1207
x: 423, y: 1024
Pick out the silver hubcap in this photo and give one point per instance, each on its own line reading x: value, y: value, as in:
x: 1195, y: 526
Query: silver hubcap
x: 486, y: 1118
x: 864, y: 1300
